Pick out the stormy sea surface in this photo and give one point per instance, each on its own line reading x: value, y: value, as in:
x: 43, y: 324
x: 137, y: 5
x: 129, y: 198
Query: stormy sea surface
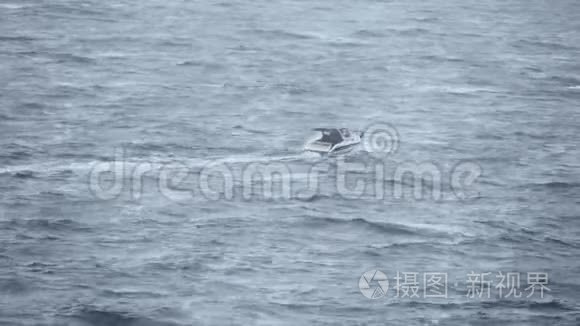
x: 127, y: 129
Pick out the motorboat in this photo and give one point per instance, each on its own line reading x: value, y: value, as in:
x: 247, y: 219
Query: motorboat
x: 333, y: 140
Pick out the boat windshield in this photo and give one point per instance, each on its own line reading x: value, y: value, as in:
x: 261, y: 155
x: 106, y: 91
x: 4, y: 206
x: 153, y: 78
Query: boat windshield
x: 331, y: 136
x: 345, y: 132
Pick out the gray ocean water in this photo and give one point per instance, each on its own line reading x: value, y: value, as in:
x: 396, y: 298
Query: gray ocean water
x: 184, y: 84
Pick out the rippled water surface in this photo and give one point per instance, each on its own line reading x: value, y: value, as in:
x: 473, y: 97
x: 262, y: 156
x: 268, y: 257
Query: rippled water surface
x: 182, y: 84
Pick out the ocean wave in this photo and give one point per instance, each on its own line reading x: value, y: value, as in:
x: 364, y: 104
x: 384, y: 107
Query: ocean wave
x: 365, y: 33
x: 4, y: 38
x: 547, y: 305
x: 279, y: 34
x: 213, y: 66
x: 14, y: 286
x: 534, y: 135
x: 567, y: 81
x: 553, y: 185
x: 15, y: 6
x: 498, y: 224
x: 561, y: 242
x: 441, y: 58
x: 88, y: 316
x: 72, y: 9
x: 127, y: 294
x: 6, y: 117
x: 390, y: 228
x: 345, y: 43
x: 15, y: 155
x: 512, y: 235
x: 410, y: 31
x: 53, y: 167
x: 71, y: 58
x: 545, y: 44
x: 26, y: 174
x: 429, y: 246
x: 313, y: 198
x: 252, y: 131
x: 45, y: 224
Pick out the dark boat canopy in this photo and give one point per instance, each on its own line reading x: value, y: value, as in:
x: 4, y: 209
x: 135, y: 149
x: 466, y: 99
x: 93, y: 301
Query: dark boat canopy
x: 330, y: 135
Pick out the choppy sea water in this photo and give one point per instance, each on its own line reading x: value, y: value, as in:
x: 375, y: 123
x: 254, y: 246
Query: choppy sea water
x: 178, y: 89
